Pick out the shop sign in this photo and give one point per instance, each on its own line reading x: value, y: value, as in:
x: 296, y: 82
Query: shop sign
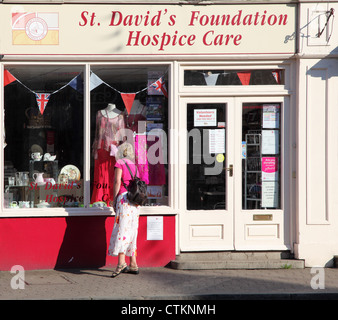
x: 147, y: 29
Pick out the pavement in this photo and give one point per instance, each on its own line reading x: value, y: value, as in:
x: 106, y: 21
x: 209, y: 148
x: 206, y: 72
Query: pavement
x: 163, y: 283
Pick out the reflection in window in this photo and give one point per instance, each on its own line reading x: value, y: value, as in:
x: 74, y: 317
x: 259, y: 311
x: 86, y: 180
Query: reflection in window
x: 261, y: 158
x: 233, y: 78
x: 143, y: 91
x: 43, y: 136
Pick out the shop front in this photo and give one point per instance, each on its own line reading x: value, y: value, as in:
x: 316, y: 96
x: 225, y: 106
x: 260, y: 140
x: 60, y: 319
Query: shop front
x: 207, y: 95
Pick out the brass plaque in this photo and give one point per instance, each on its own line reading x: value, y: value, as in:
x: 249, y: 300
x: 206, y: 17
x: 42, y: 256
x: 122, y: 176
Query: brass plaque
x: 262, y: 217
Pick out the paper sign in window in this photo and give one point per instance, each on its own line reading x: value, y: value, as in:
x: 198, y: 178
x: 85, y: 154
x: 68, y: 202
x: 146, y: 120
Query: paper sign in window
x: 269, y: 168
x: 270, y: 141
x: 217, y: 141
x: 205, y: 117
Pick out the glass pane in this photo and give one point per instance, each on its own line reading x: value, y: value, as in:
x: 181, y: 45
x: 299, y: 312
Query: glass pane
x: 43, y: 136
x: 233, y: 78
x: 261, y: 158
x: 145, y: 127
x: 206, y: 125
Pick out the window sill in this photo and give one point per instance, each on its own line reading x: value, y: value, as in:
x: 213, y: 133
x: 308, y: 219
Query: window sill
x: 77, y: 212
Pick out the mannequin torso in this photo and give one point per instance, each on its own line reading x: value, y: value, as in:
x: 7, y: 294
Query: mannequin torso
x: 110, y: 111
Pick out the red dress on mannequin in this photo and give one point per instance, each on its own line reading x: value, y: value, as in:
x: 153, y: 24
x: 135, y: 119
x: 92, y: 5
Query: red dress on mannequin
x: 107, y: 133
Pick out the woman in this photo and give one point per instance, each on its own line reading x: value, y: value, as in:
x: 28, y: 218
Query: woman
x: 124, y: 235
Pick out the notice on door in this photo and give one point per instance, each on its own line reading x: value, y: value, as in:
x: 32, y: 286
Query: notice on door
x: 217, y: 141
x: 269, y: 169
x: 205, y: 117
x: 270, y: 141
x: 270, y: 194
x: 271, y: 116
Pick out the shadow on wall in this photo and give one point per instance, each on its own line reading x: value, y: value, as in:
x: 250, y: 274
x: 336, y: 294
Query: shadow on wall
x: 84, y: 243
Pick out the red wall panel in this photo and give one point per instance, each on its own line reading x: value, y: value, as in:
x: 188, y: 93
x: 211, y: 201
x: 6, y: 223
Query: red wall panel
x: 76, y: 242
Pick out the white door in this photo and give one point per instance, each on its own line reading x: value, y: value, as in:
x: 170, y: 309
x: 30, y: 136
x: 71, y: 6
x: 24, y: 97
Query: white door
x: 234, y: 165
x: 206, y: 151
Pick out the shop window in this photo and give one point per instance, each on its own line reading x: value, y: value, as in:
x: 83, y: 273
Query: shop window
x: 129, y: 104
x: 261, y: 156
x: 233, y: 77
x: 44, y: 136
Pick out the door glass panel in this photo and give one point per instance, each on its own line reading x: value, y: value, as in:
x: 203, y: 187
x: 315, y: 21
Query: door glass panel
x: 206, y: 125
x: 261, y: 156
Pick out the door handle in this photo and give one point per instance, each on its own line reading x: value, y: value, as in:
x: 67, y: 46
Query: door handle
x: 231, y: 170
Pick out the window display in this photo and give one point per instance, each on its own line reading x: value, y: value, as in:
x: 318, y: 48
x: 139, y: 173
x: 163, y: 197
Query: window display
x: 44, y: 133
x: 261, y: 158
x: 129, y: 104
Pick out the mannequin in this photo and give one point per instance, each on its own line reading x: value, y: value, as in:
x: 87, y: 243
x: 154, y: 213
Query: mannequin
x: 111, y: 111
x: 109, y: 121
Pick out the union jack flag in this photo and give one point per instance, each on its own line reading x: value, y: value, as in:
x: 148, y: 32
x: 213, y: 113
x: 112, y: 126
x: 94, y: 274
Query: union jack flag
x: 159, y: 85
x: 42, y: 100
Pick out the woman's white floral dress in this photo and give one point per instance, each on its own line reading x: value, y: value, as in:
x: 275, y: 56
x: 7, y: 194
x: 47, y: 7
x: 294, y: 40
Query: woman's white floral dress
x: 124, y: 235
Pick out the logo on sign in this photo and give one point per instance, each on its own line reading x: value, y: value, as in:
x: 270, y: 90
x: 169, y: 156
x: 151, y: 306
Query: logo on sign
x: 35, y: 28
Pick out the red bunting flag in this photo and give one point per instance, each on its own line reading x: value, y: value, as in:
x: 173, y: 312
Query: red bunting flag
x: 8, y: 78
x: 244, y: 77
x: 277, y: 75
x: 159, y: 85
x: 128, y: 99
x: 42, y: 100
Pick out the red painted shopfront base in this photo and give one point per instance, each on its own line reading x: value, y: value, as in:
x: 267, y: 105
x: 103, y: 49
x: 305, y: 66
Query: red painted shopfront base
x: 76, y: 242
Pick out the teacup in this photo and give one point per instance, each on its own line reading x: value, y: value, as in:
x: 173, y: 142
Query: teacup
x: 13, y: 204
x: 24, y: 204
x: 36, y: 156
x: 50, y: 180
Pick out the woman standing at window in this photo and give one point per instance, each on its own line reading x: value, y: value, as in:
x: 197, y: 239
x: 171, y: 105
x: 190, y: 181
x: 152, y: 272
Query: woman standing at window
x: 124, y: 236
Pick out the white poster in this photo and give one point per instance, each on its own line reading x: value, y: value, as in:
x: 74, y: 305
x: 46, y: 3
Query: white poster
x: 205, y: 117
x: 155, y: 228
x: 271, y: 116
x: 270, y: 141
x: 270, y: 194
x: 217, y: 141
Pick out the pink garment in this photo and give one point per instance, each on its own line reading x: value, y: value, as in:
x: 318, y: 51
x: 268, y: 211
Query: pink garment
x: 156, y: 171
x: 141, y: 157
x: 125, y: 172
x: 107, y: 132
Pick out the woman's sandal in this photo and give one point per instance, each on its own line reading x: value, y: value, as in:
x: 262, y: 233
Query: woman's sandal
x: 120, y: 269
x: 133, y: 270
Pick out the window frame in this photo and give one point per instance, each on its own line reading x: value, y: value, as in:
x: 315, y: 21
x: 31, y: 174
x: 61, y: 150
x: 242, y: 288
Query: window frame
x: 86, y: 210
x: 236, y: 90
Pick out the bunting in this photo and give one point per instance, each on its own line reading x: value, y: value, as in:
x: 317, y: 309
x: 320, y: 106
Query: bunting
x: 77, y: 84
x: 8, y: 78
x: 42, y: 100
x: 244, y: 77
x: 159, y: 86
x: 277, y: 75
x: 128, y: 99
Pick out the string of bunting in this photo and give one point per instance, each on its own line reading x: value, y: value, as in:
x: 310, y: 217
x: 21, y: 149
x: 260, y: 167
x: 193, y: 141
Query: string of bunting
x: 77, y: 84
x: 128, y: 98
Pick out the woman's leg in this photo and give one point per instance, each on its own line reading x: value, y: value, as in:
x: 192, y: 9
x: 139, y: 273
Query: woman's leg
x: 122, y: 259
x: 133, y: 262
